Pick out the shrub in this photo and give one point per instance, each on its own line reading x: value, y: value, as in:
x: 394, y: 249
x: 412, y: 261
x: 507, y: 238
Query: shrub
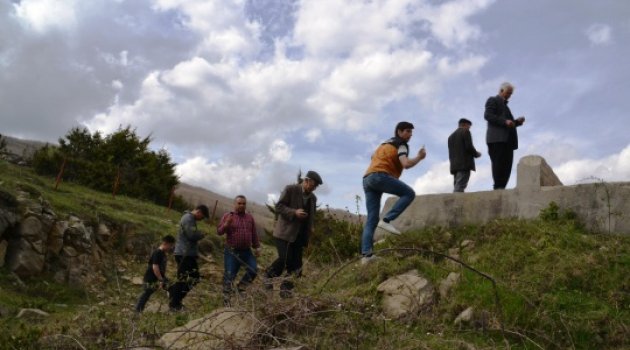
x: 121, y: 163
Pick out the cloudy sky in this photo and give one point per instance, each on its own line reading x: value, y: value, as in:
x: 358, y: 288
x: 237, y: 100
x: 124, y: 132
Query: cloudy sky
x: 243, y: 93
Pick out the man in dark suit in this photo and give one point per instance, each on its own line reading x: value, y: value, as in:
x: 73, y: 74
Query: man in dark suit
x: 296, y: 214
x: 462, y: 154
x: 501, y: 136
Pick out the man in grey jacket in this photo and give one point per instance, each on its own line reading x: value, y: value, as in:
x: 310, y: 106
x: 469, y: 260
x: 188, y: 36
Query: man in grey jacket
x: 501, y: 136
x: 462, y: 154
x: 296, y: 214
x: 186, y: 252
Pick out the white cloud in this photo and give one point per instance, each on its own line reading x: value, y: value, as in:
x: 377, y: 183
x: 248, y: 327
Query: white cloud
x: 222, y: 24
x: 222, y: 176
x: 599, y: 34
x: 280, y: 151
x: 331, y: 27
x: 272, y: 198
x: 615, y: 167
x: 437, y: 179
x: 449, y: 21
x: 117, y: 85
x: 355, y: 90
x: 313, y: 135
x: 43, y: 15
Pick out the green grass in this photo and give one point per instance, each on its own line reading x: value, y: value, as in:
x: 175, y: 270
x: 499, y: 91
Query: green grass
x: 90, y: 205
x: 560, y: 287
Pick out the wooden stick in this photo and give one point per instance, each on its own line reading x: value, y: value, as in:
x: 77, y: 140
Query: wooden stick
x: 214, y: 210
x: 60, y: 174
x: 116, y: 183
x: 170, y: 199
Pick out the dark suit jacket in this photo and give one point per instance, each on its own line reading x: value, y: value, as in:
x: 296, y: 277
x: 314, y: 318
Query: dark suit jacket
x: 288, y: 225
x: 461, y: 151
x: 497, y: 112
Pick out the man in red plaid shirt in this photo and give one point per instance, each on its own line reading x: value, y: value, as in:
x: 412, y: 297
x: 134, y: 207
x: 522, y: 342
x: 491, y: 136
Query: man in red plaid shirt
x: 240, y: 232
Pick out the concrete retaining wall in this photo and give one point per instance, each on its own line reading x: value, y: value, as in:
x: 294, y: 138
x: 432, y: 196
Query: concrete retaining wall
x: 602, y: 207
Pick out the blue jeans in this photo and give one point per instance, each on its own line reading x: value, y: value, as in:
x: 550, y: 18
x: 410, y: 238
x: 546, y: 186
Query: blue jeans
x: 232, y: 261
x: 374, y: 186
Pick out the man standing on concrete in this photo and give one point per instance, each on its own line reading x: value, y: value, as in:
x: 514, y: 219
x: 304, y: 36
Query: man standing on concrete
x: 296, y: 214
x: 186, y: 251
x: 388, y: 162
x: 239, y: 229
x: 501, y: 136
x: 462, y: 154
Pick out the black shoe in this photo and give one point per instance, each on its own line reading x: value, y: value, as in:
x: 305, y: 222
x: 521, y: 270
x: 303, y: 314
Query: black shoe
x: 174, y: 309
x: 286, y: 294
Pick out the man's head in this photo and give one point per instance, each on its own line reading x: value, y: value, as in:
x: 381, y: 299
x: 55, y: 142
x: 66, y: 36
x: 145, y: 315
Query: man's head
x: 311, y: 181
x: 464, y: 123
x: 506, y: 90
x: 168, y: 243
x: 201, y: 212
x: 240, y: 204
x: 404, y: 130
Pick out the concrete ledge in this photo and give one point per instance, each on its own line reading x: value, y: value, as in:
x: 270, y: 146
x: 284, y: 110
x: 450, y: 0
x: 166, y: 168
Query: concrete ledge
x: 602, y: 207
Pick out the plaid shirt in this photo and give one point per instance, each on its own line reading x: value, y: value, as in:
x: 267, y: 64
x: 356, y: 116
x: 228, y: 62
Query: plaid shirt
x: 241, y: 234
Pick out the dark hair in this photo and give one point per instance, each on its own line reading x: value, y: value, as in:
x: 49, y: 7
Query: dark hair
x: 204, y: 210
x: 168, y: 239
x: 464, y: 121
x: 240, y: 196
x: 402, y: 126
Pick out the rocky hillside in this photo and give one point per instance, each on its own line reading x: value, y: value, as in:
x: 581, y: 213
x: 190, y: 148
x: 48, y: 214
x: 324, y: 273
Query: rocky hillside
x: 75, y: 258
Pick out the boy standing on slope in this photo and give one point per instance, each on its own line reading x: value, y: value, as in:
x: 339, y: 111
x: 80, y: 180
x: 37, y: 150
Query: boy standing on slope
x: 155, y: 276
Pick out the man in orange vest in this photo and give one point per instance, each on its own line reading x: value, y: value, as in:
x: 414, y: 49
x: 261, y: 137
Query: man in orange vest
x: 382, y: 176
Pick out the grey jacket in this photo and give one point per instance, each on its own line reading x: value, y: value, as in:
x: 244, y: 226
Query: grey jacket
x: 187, y: 236
x: 288, y: 225
x: 461, y: 151
x: 497, y: 112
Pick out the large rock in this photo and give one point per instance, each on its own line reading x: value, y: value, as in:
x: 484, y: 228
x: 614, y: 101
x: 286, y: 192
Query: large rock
x: 26, y: 255
x: 7, y: 219
x: 448, y: 283
x: 55, y: 237
x: 406, y: 293
x: 103, y: 234
x: 533, y: 172
x: 464, y: 317
x: 380, y: 235
x: 223, y: 328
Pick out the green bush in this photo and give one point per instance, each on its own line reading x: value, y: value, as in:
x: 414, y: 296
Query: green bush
x: 120, y: 162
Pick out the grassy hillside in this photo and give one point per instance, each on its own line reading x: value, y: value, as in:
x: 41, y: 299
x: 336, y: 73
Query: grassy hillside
x: 559, y: 287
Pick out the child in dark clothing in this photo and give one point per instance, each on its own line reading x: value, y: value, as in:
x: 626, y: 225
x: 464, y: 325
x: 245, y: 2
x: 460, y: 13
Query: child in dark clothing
x: 155, y: 277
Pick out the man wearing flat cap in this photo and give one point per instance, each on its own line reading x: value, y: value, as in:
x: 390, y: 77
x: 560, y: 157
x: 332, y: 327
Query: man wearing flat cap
x: 462, y: 154
x: 296, y: 212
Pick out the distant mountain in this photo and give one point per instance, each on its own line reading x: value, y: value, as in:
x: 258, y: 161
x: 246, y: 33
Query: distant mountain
x: 22, y: 148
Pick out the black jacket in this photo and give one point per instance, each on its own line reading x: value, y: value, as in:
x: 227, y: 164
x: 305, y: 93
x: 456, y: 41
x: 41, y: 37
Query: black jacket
x: 497, y: 112
x: 461, y: 151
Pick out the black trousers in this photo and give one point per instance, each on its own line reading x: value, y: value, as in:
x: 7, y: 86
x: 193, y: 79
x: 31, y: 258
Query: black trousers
x: 502, y: 156
x: 149, y: 289
x: 187, y: 277
x: 289, y: 259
